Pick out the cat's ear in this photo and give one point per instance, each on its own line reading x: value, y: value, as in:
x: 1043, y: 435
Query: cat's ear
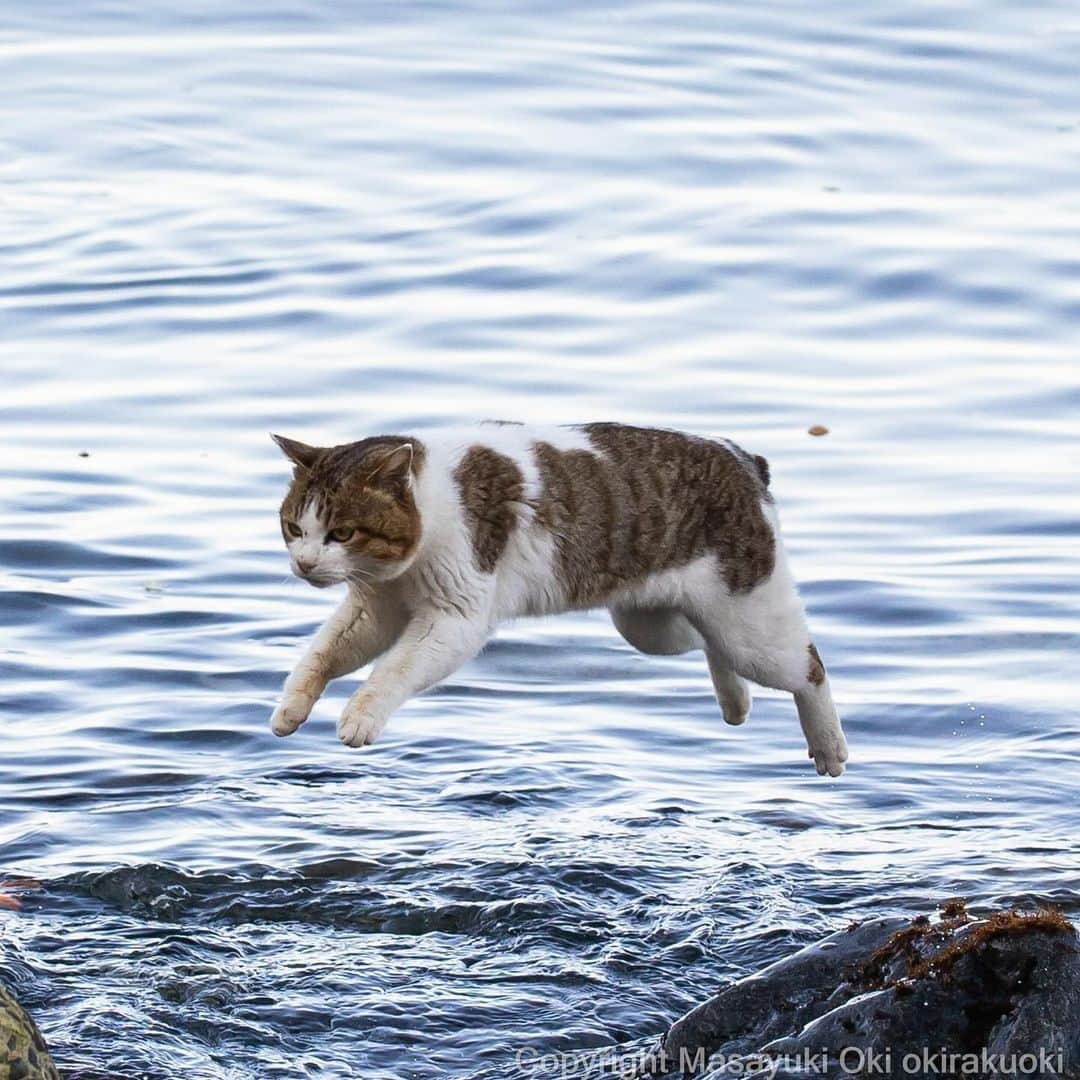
x: 300, y: 454
x: 393, y: 468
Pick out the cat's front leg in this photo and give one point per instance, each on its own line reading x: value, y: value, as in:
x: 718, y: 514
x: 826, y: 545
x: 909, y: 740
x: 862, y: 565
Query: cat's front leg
x: 352, y: 637
x: 432, y: 646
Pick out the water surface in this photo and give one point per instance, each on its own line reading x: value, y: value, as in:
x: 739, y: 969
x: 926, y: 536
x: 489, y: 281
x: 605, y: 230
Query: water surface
x: 332, y: 220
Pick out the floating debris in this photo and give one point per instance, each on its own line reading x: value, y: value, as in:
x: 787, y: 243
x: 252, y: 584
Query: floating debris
x: 11, y: 885
x: 818, y: 429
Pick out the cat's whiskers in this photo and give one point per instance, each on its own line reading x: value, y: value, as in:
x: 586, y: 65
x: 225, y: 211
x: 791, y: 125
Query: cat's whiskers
x: 361, y: 582
x: 357, y: 577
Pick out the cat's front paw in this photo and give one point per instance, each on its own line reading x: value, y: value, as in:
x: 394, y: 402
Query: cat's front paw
x: 357, y: 727
x: 290, y: 714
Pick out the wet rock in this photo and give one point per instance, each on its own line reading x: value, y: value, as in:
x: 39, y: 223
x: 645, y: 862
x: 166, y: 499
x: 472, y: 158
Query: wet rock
x: 23, y: 1054
x: 950, y: 996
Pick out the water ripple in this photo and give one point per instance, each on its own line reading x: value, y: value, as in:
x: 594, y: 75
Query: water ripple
x: 340, y: 219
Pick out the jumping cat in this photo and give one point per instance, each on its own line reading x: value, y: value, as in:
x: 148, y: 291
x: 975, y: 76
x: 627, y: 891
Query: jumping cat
x: 441, y: 539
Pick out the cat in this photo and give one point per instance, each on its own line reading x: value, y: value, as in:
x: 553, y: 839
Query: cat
x: 440, y: 539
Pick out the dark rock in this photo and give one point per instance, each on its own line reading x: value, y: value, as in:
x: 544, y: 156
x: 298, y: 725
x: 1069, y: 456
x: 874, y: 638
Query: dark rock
x: 23, y: 1054
x: 954, y: 996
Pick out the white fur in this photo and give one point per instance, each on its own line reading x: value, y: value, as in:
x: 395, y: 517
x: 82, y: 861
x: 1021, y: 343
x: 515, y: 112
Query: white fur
x: 312, y: 556
x: 439, y: 609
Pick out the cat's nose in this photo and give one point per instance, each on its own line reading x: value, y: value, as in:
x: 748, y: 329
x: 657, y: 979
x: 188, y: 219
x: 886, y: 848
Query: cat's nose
x: 305, y: 566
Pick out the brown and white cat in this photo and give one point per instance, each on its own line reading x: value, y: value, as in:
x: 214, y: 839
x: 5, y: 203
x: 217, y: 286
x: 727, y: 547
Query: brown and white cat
x: 441, y: 539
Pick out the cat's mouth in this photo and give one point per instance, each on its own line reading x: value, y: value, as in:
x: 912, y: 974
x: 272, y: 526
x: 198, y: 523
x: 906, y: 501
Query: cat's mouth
x: 320, y: 581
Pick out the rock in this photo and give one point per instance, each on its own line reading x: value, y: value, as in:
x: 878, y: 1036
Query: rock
x: 23, y: 1054
x: 954, y: 996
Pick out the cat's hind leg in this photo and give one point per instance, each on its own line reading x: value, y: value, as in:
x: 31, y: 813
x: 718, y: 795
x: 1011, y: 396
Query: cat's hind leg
x: 658, y: 631
x: 817, y: 715
x: 762, y: 635
x: 666, y: 631
x: 732, y: 691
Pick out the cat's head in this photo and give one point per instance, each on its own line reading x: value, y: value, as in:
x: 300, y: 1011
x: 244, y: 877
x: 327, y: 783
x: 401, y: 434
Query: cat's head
x: 349, y: 513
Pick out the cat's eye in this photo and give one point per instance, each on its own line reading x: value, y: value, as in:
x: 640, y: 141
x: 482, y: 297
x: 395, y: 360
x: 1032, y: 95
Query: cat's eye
x: 342, y: 534
x: 293, y: 529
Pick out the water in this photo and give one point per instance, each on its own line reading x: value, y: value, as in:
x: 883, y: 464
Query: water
x: 339, y: 219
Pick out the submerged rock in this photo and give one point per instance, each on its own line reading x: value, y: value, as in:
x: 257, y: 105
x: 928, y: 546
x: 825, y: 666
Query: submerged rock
x: 23, y: 1054
x: 953, y: 996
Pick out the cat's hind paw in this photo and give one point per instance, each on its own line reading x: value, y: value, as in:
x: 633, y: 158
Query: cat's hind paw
x: 735, y: 704
x: 829, y: 752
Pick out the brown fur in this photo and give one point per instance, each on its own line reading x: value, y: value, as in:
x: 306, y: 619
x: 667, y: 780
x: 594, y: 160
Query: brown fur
x: 649, y: 500
x: 352, y: 488
x: 762, y: 467
x: 816, y: 672
x: 491, y: 488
